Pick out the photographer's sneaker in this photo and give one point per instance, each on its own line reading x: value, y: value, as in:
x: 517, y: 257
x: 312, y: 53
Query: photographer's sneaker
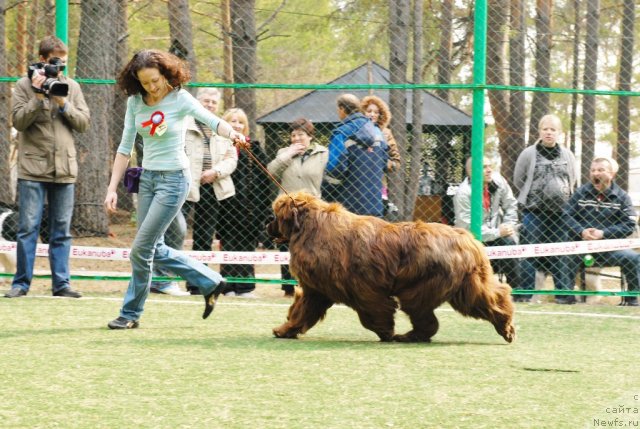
x: 16, y: 292
x: 68, y: 293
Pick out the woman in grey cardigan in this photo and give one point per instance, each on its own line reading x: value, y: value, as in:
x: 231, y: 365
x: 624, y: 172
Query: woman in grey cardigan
x: 545, y: 177
x: 299, y: 167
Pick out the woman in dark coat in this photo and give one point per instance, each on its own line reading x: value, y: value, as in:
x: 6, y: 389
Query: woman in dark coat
x: 241, y: 228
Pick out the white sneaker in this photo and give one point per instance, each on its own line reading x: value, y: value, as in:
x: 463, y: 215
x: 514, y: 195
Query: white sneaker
x: 246, y: 295
x: 174, y: 290
x: 230, y: 293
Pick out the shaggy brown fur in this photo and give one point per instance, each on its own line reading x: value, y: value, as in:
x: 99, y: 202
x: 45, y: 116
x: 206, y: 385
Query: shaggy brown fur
x: 372, y: 266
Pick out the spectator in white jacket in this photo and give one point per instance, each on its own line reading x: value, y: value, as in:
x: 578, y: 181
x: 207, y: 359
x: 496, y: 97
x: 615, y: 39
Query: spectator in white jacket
x: 499, y: 216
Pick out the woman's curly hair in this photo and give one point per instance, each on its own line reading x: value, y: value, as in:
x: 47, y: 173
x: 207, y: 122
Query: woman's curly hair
x: 385, y: 113
x: 171, y: 67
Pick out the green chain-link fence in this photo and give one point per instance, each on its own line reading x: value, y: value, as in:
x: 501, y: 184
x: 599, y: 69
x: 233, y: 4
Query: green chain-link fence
x: 282, y: 60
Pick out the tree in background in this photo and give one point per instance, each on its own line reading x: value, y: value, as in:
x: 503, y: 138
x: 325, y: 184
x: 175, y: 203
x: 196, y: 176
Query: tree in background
x: 417, y: 139
x: 95, y: 59
x: 540, y: 102
x: 5, y: 117
x: 227, y: 52
x: 623, y: 118
x: 515, y: 141
x: 245, y: 61
x: 497, y: 66
x: 575, y: 74
x: 179, y: 18
x: 588, y: 135
x: 443, y: 75
x: 119, y: 105
x: 399, y: 12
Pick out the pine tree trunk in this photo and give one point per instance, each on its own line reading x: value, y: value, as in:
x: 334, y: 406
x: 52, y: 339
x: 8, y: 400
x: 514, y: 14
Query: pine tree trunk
x: 245, y: 43
x: 515, y: 139
x: 5, y: 114
x: 575, y: 79
x: 398, y: 58
x: 181, y: 34
x: 540, y: 103
x: 589, y: 79
x: 444, y: 52
x: 31, y: 48
x: 95, y: 60
x: 21, y: 39
x: 49, y: 14
x: 116, y: 115
x: 417, y: 141
x: 227, y: 52
x: 496, y: 66
x: 623, y: 120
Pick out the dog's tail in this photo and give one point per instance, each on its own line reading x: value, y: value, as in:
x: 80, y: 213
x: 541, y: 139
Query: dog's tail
x: 481, y: 296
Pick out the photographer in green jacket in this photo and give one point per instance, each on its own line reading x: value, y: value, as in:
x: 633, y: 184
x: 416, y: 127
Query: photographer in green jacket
x: 47, y: 108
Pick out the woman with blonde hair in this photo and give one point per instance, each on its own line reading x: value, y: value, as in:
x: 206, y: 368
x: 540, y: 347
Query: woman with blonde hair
x: 241, y: 221
x: 545, y: 177
x: 213, y: 159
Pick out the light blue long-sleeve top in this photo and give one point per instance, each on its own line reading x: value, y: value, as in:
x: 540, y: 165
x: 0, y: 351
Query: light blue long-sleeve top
x: 163, y: 152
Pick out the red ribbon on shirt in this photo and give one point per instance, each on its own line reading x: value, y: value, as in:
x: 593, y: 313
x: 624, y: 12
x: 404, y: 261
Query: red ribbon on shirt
x: 156, y: 119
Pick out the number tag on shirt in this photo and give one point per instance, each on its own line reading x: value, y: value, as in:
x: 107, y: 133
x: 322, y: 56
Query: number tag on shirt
x: 161, y: 129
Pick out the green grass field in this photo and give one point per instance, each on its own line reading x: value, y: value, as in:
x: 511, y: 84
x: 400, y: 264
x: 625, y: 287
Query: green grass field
x: 61, y: 368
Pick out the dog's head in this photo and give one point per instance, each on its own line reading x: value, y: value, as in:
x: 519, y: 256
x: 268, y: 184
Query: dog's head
x: 290, y: 212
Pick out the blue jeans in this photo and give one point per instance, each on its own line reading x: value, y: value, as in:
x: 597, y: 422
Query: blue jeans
x: 161, y: 195
x: 545, y: 228
x: 31, y: 198
x: 627, y: 260
x: 174, y: 238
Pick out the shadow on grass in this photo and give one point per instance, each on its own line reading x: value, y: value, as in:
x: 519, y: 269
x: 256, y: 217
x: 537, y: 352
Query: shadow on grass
x: 554, y: 370
x: 265, y: 342
x: 38, y: 332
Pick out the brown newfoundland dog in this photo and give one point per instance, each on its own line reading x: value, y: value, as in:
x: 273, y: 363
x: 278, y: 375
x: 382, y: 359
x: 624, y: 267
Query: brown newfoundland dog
x: 373, y: 266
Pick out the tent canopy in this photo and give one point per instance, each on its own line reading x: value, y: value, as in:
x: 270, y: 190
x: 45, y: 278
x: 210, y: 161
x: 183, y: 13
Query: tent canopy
x: 320, y: 105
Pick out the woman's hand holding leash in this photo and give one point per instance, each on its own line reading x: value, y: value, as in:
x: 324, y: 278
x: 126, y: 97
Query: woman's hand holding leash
x: 239, y: 139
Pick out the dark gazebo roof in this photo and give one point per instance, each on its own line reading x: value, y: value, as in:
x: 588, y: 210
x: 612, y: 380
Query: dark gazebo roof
x: 320, y: 105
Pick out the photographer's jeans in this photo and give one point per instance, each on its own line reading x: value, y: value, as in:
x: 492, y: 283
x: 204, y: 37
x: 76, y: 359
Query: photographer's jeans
x: 161, y: 195
x: 31, y: 196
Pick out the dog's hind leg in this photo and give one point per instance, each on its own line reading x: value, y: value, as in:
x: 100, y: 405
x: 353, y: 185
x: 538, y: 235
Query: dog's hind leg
x: 381, y: 320
x: 308, y: 308
x: 425, y: 325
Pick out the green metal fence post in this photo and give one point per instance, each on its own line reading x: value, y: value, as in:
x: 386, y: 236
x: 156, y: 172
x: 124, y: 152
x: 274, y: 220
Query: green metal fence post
x: 62, y: 22
x: 477, y: 131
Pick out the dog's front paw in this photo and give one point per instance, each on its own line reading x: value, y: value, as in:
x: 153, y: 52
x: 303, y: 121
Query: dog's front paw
x: 509, y: 333
x: 285, y: 332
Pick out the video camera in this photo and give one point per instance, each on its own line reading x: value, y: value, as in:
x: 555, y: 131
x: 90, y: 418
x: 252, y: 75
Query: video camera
x: 51, y: 86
